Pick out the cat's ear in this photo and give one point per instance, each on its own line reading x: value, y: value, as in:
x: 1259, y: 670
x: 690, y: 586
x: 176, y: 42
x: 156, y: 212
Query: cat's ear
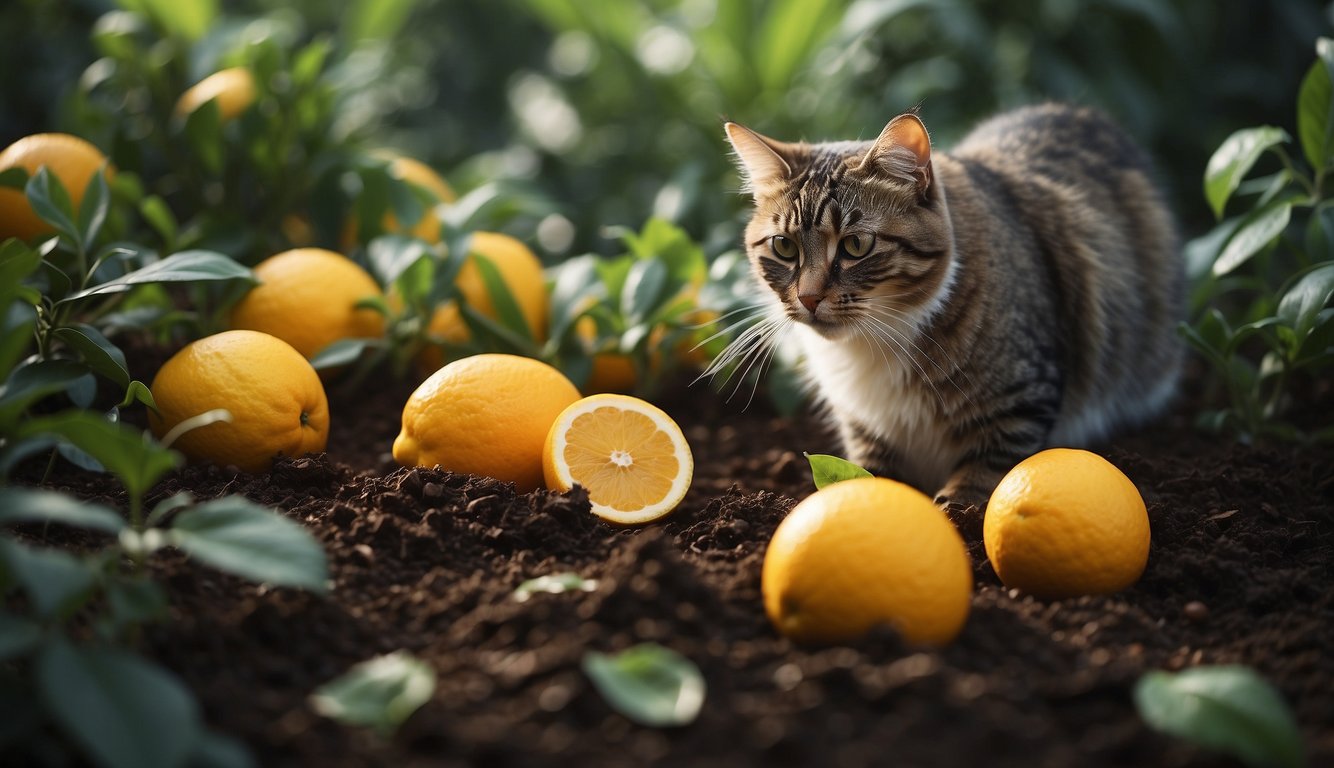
x: 903, y: 151
x: 760, y: 157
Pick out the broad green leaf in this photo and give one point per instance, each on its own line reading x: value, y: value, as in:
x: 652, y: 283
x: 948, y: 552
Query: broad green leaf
x: 98, y: 353
x: 123, y: 711
x: 645, y: 288
x: 203, y: 130
x: 493, y: 336
x: 183, y: 267
x: 381, y: 692
x: 790, y: 31
x: 1233, y: 159
x: 56, y: 581
x: 174, y: 503
x: 18, y: 636
x: 51, y: 201
x: 236, y: 535
x: 1227, y: 708
x: 309, y: 62
x: 14, y: 178
x: 391, y: 255
x: 158, y: 214
x: 649, y: 684
x: 828, y: 470
x: 129, y: 453
x: 1304, y: 301
x: 342, y: 352
x: 1256, y: 232
x: 21, y: 505
x: 216, y: 750
x: 135, y: 601
x: 17, y: 262
x: 189, y: 19
x: 408, y: 202
x: 554, y: 584
x: 1315, y: 108
x: 502, y: 300
x: 34, y: 381
x: 576, y: 281
x: 138, y: 392
x: 18, y: 321
x: 93, y: 208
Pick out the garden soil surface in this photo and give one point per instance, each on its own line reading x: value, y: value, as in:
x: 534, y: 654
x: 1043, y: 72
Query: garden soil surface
x: 1239, y: 572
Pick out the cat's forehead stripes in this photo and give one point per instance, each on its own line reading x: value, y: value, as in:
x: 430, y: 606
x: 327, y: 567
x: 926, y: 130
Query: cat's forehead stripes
x: 813, y: 193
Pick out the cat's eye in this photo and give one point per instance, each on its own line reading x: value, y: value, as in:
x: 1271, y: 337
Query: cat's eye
x: 856, y: 246
x: 783, y: 247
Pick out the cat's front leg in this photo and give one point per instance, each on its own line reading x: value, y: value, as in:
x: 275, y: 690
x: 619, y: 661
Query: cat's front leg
x: 981, y: 469
x: 876, y: 455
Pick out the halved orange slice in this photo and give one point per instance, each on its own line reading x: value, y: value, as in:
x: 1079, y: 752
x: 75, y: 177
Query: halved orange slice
x: 629, y: 455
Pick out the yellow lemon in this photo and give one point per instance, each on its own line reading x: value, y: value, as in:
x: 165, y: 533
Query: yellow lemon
x: 1065, y: 523
x: 233, y: 88
x: 862, y: 553
x: 307, y: 297
x: 68, y: 158
x: 521, y: 271
x: 630, y: 456
x: 276, y: 401
x: 485, y: 415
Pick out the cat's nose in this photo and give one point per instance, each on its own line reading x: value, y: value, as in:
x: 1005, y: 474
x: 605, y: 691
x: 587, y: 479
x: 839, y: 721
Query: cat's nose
x: 810, y: 301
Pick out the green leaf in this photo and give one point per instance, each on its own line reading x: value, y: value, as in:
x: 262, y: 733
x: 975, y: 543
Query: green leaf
x: 34, y: 381
x: 56, y: 581
x: 189, y: 19
x: 1233, y: 159
x: 828, y: 470
x: 342, y: 352
x: 94, y: 206
x: 645, y: 288
x: 790, y: 31
x: 183, y: 267
x: 1315, y: 108
x: 391, y: 255
x: 648, y: 683
x: 138, y: 392
x: 1257, y: 231
x: 17, y: 262
x: 1304, y: 301
x: 506, y: 308
x: 554, y: 584
x: 123, y: 711
x: 309, y: 62
x: 14, y: 178
x: 129, y: 453
x: 203, y: 130
x: 135, y: 601
x: 381, y: 692
x: 375, y: 19
x: 236, y: 535
x: 159, y: 216
x: 1227, y: 708
x: 21, y: 505
x: 49, y: 200
x: 18, y: 321
x: 18, y: 636
x: 98, y: 353
x: 216, y: 750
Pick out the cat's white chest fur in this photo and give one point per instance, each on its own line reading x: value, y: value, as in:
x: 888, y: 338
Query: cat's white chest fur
x: 877, y: 385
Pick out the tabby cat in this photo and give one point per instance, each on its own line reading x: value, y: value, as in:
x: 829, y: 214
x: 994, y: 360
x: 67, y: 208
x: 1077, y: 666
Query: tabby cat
x: 960, y: 311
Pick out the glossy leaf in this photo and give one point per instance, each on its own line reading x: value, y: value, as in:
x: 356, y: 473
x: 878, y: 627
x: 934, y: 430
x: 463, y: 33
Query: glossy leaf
x: 18, y: 636
x: 22, y: 505
x: 1256, y: 232
x: 502, y: 299
x: 1233, y: 160
x: 30, y: 383
x: 183, y: 267
x: 1315, y: 108
x: 342, y: 352
x: 1304, y: 300
x: 129, y: 453
x: 158, y: 214
x: 121, y: 710
x: 645, y: 288
x: 236, y: 535
x: 391, y: 255
x: 98, y: 353
x: 381, y: 692
x: 649, y: 684
x: 92, y: 213
x: 1227, y: 708
x: 827, y: 470
x: 50, y: 200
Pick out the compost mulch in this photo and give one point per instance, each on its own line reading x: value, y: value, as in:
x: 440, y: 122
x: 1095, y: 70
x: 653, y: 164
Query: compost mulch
x: 1239, y: 571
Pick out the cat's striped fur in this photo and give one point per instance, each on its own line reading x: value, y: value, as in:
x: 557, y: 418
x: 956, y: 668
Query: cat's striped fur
x: 960, y: 311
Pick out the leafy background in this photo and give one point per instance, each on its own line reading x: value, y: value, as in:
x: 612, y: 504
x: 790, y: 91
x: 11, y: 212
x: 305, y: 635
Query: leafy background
x: 612, y: 112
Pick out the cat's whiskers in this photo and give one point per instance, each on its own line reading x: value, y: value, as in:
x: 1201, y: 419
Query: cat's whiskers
x: 884, y: 332
x: 755, y: 344
x: 874, y: 313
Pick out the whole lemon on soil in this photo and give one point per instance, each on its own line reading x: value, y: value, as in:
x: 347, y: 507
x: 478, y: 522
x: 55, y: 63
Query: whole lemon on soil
x: 68, y: 158
x: 1065, y: 523
x: 416, y: 172
x: 275, y: 398
x: 485, y: 415
x: 233, y: 88
x: 862, y: 553
x: 521, y: 271
x: 307, y: 297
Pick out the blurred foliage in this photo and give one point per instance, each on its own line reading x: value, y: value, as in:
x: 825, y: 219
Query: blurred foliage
x: 613, y: 111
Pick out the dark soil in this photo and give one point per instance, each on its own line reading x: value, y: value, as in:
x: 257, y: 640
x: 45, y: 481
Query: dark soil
x: 427, y: 561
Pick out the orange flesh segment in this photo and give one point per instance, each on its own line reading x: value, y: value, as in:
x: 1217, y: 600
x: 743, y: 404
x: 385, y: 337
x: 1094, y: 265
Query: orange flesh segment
x: 621, y: 457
